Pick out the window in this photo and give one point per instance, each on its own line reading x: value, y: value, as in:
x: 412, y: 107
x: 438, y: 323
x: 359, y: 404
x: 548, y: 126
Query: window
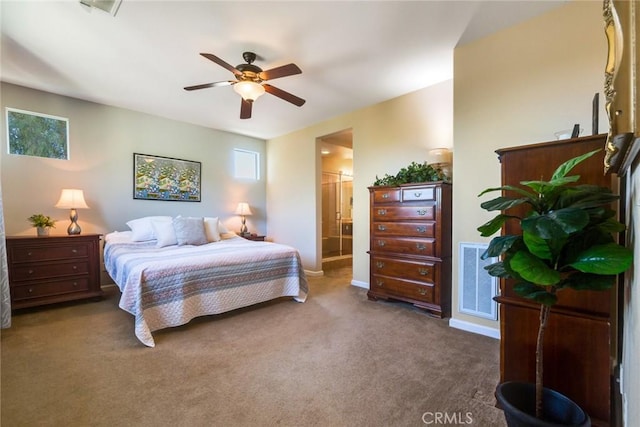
x: 35, y: 134
x: 246, y: 164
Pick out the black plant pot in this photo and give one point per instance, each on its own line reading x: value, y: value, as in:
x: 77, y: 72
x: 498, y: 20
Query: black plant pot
x: 518, y: 400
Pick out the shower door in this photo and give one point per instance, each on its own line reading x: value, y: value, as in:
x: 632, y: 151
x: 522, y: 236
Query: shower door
x: 337, y: 204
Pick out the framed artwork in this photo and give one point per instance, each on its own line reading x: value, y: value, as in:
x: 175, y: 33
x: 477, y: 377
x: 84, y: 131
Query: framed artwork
x: 36, y: 134
x: 165, y: 178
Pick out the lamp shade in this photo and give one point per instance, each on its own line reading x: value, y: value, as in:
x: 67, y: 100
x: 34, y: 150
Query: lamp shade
x: 243, y: 209
x: 72, y: 198
x: 440, y: 155
x: 248, y: 90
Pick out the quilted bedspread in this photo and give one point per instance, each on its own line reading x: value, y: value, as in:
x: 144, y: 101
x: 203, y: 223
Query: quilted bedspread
x: 169, y: 286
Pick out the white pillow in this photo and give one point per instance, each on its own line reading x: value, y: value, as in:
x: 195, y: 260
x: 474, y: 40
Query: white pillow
x: 165, y: 233
x: 222, y: 228
x: 118, y: 237
x: 142, y: 228
x: 190, y: 230
x: 211, y: 229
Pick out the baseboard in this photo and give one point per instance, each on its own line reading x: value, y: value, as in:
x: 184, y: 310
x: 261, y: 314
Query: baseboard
x: 476, y: 329
x: 360, y: 284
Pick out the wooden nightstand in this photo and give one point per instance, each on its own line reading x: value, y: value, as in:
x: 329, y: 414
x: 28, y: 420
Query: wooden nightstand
x: 255, y: 238
x: 51, y: 269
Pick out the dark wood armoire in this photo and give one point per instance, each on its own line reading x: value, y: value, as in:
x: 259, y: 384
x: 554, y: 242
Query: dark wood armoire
x: 579, y: 339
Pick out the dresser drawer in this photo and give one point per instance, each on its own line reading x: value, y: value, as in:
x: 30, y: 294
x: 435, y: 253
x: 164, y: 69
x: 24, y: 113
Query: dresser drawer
x: 384, y: 213
x: 416, y: 194
x: 48, y: 253
x: 417, y: 291
x: 413, y: 246
x: 421, y: 271
x: 386, y: 195
x: 44, y: 270
x: 417, y: 229
x: 45, y: 289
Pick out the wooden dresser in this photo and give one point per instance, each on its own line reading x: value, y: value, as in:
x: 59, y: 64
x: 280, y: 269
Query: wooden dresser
x: 410, y: 245
x: 46, y: 270
x: 580, y: 334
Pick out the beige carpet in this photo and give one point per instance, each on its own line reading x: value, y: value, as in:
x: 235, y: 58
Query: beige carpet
x: 336, y: 360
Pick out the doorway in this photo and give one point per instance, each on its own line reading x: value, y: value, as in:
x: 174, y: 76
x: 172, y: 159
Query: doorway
x: 337, y: 199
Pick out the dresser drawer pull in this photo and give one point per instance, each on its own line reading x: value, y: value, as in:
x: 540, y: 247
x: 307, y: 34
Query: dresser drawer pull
x: 418, y: 194
x: 29, y: 253
x: 381, y: 243
x: 379, y: 282
x: 423, y: 271
x: 382, y: 211
x: 75, y: 251
x: 382, y: 227
x: 30, y: 290
x: 385, y: 196
x: 421, y: 229
x: 75, y: 267
x: 30, y: 271
x: 422, y: 291
x: 420, y: 246
x: 75, y: 284
x: 422, y: 212
x: 380, y: 264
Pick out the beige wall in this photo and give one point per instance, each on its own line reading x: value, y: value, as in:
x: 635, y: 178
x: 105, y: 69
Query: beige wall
x: 386, y: 138
x: 102, y: 142
x: 518, y: 87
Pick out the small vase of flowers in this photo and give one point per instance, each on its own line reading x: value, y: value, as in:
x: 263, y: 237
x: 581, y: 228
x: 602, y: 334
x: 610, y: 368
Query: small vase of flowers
x: 42, y: 222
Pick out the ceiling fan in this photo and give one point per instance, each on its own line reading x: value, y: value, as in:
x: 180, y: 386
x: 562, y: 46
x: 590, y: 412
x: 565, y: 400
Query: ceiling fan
x: 250, y: 80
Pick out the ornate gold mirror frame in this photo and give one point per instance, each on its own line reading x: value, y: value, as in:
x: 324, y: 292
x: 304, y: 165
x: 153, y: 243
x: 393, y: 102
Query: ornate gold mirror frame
x: 621, y: 22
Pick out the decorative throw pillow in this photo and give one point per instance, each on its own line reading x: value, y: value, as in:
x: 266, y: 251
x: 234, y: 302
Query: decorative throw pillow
x: 190, y: 230
x: 211, y: 229
x: 165, y: 233
x: 142, y: 228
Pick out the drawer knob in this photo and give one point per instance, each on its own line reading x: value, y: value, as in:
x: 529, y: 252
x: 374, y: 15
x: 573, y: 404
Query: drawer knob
x: 75, y: 251
x: 422, y: 291
x: 75, y: 267
x: 30, y: 290
x: 381, y: 243
x: 421, y: 229
x: 379, y: 282
x: 423, y: 271
x: 385, y: 196
x: 30, y: 271
x: 380, y: 264
x: 382, y: 211
x: 75, y: 284
x: 418, y: 194
x: 420, y: 246
x: 422, y: 212
x: 381, y: 227
x: 29, y: 253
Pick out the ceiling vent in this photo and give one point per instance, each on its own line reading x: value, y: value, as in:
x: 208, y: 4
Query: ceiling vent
x: 109, y: 6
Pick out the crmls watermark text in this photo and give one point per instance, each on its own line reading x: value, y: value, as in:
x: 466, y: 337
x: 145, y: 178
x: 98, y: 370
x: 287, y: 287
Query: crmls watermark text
x: 447, y: 418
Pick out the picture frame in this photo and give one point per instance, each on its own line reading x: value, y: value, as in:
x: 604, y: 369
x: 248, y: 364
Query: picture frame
x: 37, y: 134
x: 166, y: 178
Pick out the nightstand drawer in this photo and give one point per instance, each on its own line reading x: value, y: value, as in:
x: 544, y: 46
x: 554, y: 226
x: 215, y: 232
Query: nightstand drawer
x: 43, y: 271
x: 49, y: 288
x: 48, y: 253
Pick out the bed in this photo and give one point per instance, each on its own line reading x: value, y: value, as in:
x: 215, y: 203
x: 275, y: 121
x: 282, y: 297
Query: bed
x: 168, y: 285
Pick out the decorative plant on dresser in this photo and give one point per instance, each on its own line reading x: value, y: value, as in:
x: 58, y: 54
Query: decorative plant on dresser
x: 410, y: 239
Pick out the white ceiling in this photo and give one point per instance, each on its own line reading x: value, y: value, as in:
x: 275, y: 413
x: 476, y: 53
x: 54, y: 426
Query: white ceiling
x: 352, y: 53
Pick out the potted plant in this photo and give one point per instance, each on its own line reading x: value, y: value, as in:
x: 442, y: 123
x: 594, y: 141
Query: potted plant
x: 42, y: 222
x: 413, y: 173
x: 566, y: 242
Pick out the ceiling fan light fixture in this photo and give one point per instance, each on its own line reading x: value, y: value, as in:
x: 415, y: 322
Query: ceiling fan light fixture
x: 248, y: 90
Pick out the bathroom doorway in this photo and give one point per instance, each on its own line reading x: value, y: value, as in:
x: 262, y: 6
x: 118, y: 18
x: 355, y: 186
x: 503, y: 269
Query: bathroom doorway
x: 337, y: 199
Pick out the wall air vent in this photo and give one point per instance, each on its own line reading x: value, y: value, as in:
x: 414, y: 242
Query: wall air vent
x: 476, y: 287
x: 109, y: 6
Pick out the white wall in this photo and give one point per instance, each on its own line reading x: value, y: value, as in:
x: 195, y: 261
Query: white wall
x: 102, y: 142
x: 518, y: 87
x: 386, y: 137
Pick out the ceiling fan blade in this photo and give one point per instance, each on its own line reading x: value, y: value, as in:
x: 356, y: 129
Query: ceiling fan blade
x: 206, y: 85
x: 283, y: 71
x: 245, y: 109
x: 222, y: 63
x: 284, y: 95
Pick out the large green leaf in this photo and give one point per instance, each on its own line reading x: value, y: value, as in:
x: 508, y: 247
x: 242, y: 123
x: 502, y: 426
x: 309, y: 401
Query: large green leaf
x: 536, y: 293
x: 556, y: 224
x: 502, y: 203
x: 509, y: 188
x: 563, y: 169
x: 604, y: 259
x: 499, y: 245
x: 588, y: 282
x: 533, y: 269
x: 497, y: 270
x: 492, y: 226
x: 537, y: 246
x: 543, y: 187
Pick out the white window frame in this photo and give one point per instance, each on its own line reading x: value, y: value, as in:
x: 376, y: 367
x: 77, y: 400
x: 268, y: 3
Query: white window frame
x: 246, y: 164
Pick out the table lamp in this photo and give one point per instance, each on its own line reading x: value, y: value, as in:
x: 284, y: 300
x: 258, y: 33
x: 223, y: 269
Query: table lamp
x: 243, y: 210
x: 73, y: 199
